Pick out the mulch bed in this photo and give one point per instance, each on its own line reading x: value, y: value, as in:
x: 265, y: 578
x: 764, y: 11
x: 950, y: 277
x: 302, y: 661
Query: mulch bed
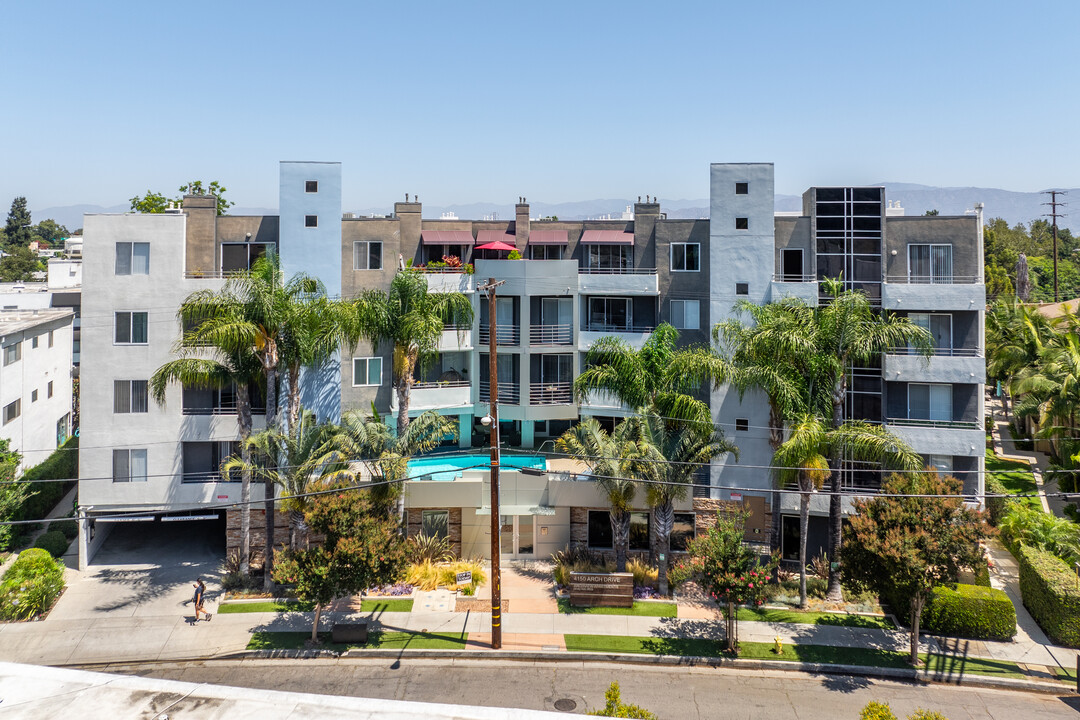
x: 465, y: 604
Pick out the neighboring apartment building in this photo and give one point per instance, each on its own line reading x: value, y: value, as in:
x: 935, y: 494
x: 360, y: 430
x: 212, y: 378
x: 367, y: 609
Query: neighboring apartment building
x: 35, y: 381
x: 577, y: 282
x: 61, y: 289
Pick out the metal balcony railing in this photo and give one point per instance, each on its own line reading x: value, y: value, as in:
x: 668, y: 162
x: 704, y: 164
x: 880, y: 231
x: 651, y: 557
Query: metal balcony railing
x: 937, y: 352
x: 616, y: 271
x: 615, y: 328
x: 505, y: 334
x: 509, y: 392
x: 220, y: 410
x: 794, y: 278
x: 933, y: 279
x: 926, y: 422
x: 550, y: 334
x: 437, y: 384
x: 560, y: 393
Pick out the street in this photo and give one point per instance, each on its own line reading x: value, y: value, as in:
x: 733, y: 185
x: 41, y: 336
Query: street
x: 671, y: 693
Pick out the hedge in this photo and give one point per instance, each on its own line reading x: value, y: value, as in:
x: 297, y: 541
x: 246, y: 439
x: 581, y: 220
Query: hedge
x: 970, y: 611
x: 63, y: 464
x: 31, y: 585
x: 53, y: 541
x: 997, y: 507
x: 1049, y: 588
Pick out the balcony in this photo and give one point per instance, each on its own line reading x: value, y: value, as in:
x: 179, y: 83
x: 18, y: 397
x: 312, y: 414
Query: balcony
x: 505, y: 334
x: 559, y: 393
x: 633, y: 335
x: 446, y: 280
x: 956, y: 292
x: 550, y: 334
x: 455, y: 338
x: 440, y: 395
x: 803, y: 287
x: 940, y: 437
x: 603, y: 403
x: 946, y: 365
x: 509, y: 392
x: 618, y: 281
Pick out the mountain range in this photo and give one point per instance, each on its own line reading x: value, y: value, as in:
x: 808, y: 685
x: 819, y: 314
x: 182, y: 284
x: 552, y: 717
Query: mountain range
x: 1014, y: 207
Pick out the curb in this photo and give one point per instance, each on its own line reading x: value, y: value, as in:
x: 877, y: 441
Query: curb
x: 901, y: 674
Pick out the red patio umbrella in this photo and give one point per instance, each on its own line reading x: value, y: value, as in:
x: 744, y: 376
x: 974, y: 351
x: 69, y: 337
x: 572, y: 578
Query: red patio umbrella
x: 497, y: 245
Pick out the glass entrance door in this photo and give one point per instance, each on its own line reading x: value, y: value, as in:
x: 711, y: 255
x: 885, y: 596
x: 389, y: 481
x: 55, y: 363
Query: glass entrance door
x: 517, y: 539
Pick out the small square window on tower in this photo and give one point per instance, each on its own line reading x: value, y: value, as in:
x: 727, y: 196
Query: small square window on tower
x: 742, y: 223
x: 742, y: 188
x: 742, y: 288
x: 311, y: 186
x: 311, y: 221
x: 742, y: 425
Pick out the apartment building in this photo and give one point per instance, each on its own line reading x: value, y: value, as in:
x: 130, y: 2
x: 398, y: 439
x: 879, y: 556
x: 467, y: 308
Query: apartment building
x: 577, y: 281
x: 928, y: 269
x: 35, y: 381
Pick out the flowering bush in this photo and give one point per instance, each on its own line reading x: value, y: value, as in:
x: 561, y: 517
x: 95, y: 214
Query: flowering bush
x: 644, y: 592
x: 395, y: 590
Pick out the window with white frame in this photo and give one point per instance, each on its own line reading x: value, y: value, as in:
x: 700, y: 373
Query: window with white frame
x: 48, y: 389
x: 546, y: 252
x: 367, y: 371
x: 132, y: 258
x: 129, y: 465
x: 311, y: 186
x: 311, y: 221
x: 367, y: 255
x: 131, y: 328
x: 685, y: 257
x: 12, y: 353
x: 686, y: 314
x: 941, y: 463
x: 930, y: 264
x: 33, y: 396
x: 33, y: 342
x: 130, y: 396
x: 930, y: 401
x: 12, y: 410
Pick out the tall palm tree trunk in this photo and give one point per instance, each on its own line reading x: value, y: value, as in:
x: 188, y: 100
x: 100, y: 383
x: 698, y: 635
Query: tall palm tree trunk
x: 836, y: 515
x: 292, y: 401
x: 665, y: 521
x: 268, y: 487
x: 403, y: 388
x: 804, y: 530
x: 776, y: 437
x: 620, y: 532
x: 243, y: 419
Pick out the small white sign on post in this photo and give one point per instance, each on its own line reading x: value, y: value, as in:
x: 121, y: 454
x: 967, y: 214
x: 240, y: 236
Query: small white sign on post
x: 464, y: 578
x: 736, y: 497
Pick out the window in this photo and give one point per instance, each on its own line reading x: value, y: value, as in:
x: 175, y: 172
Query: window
x: 742, y: 424
x: 132, y: 258
x: 48, y: 390
x: 311, y: 221
x: 51, y: 333
x: 435, y: 523
x: 930, y: 402
x: 930, y: 264
x: 241, y: 256
x: 63, y: 426
x: 546, y: 252
x: 610, y: 314
x: 941, y: 463
x: 33, y: 396
x: 600, y: 535
x: 609, y: 257
x: 131, y: 328
x: 12, y: 353
x: 130, y: 396
x: 682, y: 532
x: 939, y: 325
x: 685, y: 314
x: 742, y: 188
x: 791, y: 264
x: 639, y: 531
x: 685, y: 257
x: 367, y: 371
x: 742, y: 288
x: 202, y: 461
x: 742, y: 223
x: 367, y: 255
x: 12, y: 411
x: 129, y: 465
x: 33, y: 342
x: 311, y: 186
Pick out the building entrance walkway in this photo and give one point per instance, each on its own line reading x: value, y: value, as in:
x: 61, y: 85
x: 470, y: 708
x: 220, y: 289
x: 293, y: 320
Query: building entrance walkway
x: 527, y: 587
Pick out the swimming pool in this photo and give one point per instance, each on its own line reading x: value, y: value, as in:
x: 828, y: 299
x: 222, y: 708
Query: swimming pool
x: 446, y: 468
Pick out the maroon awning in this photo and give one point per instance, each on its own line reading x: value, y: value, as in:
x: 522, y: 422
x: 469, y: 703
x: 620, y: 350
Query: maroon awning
x: 607, y: 237
x: 548, y: 237
x: 489, y: 236
x: 496, y: 245
x: 446, y: 237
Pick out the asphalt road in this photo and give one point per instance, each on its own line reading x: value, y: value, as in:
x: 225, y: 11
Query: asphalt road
x: 671, y: 693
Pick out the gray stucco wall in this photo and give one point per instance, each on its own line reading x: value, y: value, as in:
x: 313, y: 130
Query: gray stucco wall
x: 961, y: 232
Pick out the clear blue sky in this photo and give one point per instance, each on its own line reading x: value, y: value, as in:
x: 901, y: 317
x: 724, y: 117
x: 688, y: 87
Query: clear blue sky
x: 558, y: 101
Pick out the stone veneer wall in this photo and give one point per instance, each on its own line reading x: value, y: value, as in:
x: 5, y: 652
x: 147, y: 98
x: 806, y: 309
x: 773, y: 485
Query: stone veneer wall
x: 258, y: 532
x: 415, y: 518
x: 706, y: 511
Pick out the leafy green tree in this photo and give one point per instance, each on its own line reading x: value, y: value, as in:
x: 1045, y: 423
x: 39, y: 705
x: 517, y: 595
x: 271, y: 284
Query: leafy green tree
x: 803, y: 460
x: 19, y: 265
x: 931, y: 213
x: 151, y: 202
x: 660, y: 377
x: 214, y: 188
x: 1016, y: 335
x: 12, y: 494
x: 902, y: 546
x: 412, y: 318
x: 17, y: 229
x: 363, y: 548
x: 729, y: 570
x: 154, y: 202
x: 50, y: 232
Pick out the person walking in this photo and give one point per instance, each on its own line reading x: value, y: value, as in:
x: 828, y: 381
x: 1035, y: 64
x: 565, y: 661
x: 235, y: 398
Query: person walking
x: 199, y: 599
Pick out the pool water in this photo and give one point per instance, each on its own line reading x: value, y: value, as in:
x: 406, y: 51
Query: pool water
x: 447, y: 468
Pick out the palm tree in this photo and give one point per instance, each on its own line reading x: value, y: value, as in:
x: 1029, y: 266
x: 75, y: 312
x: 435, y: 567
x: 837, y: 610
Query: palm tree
x: 412, y: 318
x: 673, y: 455
x: 610, y: 458
x: 1016, y: 335
x: 803, y: 459
x: 383, y: 453
x: 304, y: 459
x: 660, y: 376
x: 231, y: 369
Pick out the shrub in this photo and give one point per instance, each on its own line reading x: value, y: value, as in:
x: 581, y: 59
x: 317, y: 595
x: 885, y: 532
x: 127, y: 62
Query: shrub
x: 31, y: 585
x: 63, y: 464
x: 576, y: 559
x: 70, y: 528
x: 428, y: 548
x: 877, y: 711
x: 970, y: 611
x: 921, y: 714
x: 616, y: 708
x: 644, y: 574
x: 997, y: 507
x: 430, y: 576
x: 53, y: 541
x: 514, y: 255
x: 236, y: 581
x: 982, y: 574
x: 1048, y: 586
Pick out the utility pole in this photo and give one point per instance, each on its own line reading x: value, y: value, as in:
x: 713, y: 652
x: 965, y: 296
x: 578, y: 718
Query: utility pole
x: 493, y: 421
x: 1054, y: 203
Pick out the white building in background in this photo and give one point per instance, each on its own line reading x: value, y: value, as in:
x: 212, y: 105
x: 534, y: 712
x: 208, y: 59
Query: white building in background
x: 35, y: 381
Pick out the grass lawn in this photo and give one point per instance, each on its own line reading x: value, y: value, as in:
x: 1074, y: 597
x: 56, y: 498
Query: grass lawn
x: 376, y: 639
x: 645, y: 609
x: 867, y: 657
x: 1015, y: 476
x: 814, y: 618
x: 380, y: 605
